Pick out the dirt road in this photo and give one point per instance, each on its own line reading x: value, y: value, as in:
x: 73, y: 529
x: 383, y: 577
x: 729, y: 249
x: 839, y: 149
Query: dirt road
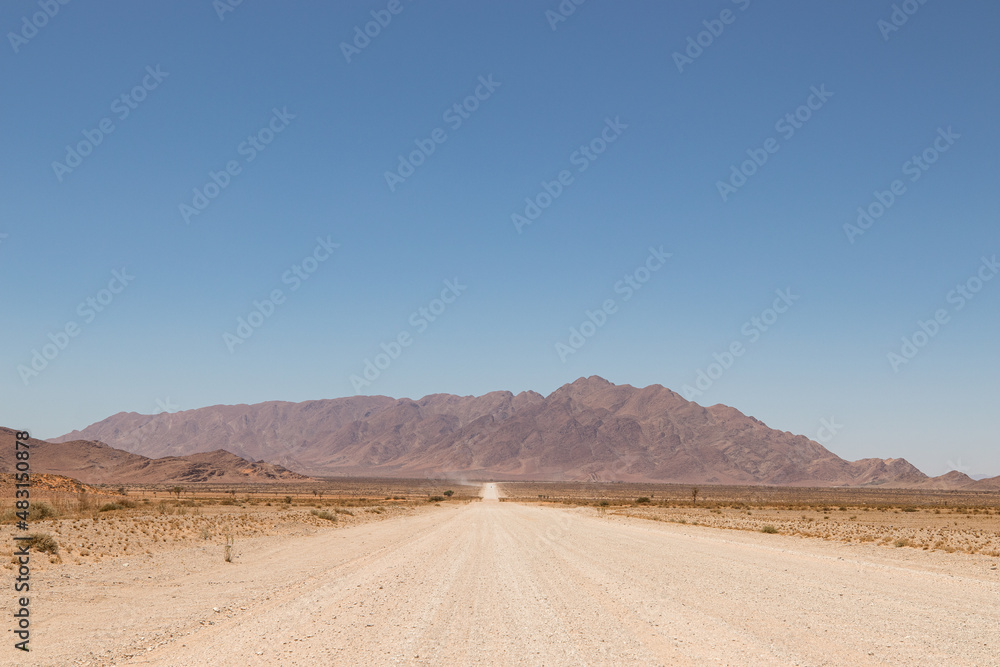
x: 490, y: 492
x: 493, y: 583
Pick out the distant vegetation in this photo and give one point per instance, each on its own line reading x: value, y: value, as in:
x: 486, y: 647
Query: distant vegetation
x: 117, y: 505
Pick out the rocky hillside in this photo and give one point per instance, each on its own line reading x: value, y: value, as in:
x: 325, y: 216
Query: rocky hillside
x: 590, y: 429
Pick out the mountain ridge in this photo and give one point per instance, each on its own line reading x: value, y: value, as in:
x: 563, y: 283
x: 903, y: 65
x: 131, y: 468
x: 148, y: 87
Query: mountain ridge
x: 586, y: 430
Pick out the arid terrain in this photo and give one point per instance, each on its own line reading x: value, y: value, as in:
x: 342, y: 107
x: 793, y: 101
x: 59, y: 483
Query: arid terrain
x: 965, y: 521
x: 129, y: 520
x: 391, y: 572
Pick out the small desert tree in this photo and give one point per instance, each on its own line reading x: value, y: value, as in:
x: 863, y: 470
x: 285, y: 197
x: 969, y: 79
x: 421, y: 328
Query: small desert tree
x: 449, y: 493
x: 694, y: 494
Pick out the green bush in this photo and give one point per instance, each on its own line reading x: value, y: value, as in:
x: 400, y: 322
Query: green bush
x: 435, y: 499
x: 769, y: 529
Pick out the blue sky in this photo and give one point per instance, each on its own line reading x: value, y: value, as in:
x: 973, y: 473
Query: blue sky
x: 324, y: 123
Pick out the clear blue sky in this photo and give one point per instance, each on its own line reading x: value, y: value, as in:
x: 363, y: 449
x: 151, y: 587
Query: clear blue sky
x: 678, y: 127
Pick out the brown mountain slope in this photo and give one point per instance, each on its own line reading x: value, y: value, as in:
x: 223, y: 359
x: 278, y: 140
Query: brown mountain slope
x: 97, y: 463
x: 949, y: 480
x: 988, y: 484
x: 588, y: 430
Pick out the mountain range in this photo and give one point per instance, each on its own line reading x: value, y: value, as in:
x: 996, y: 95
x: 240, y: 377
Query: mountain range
x: 589, y: 430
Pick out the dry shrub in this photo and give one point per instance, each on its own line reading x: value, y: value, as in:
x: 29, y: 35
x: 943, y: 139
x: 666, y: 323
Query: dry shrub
x: 117, y: 505
x: 41, y: 542
x: 39, y: 511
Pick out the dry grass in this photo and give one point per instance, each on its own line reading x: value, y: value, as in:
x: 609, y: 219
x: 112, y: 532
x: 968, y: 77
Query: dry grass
x: 621, y: 493
x: 137, y: 521
x: 951, y: 521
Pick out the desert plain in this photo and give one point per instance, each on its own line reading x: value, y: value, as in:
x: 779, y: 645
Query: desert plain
x: 363, y: 571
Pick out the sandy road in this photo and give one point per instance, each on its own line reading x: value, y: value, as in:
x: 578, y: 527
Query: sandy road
x: 490, y: 491
x: 501, y: 583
